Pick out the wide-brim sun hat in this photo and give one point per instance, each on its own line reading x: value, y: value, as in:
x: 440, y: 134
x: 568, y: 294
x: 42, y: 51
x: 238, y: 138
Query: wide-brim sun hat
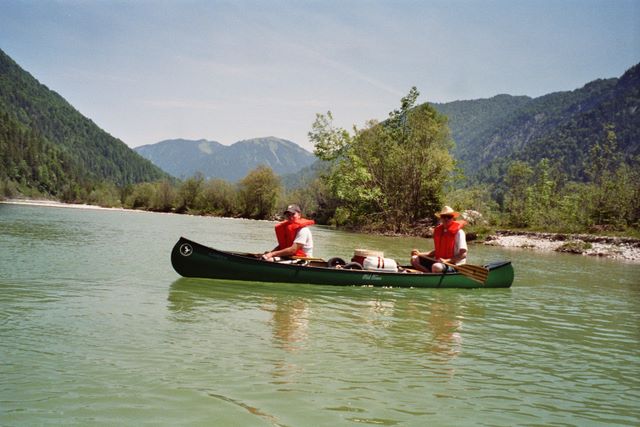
x: 447, y: 211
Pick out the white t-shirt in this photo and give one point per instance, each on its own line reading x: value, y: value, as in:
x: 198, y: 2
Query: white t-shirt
x: 460, y: 243
x: 304, y: 238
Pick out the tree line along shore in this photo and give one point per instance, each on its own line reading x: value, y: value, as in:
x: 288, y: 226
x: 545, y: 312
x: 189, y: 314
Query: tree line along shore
x: 389, y: 178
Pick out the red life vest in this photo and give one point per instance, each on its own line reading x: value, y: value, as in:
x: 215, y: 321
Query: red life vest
x: 286, y: 233
x: 445, y: 241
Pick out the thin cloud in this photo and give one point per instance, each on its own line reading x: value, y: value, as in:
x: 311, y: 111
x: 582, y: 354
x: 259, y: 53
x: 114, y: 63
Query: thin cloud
x: 183, y: 104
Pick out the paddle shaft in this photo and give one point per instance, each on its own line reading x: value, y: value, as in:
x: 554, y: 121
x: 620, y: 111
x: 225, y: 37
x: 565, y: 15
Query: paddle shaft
x: 308, y: 258
x: 428, y: 258
x: 474, y: 272
x: 254, y: 255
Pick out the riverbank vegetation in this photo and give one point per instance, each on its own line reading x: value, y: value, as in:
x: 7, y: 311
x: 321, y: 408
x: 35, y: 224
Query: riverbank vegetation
x: 541, y: 198
x: 389, y: 177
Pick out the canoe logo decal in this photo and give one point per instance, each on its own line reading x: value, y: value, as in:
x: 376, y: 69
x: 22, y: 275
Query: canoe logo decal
x: 371, y: 277
x: 186, y: 249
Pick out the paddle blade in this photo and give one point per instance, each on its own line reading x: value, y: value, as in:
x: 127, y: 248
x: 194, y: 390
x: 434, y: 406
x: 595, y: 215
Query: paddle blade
x: 475, y: 272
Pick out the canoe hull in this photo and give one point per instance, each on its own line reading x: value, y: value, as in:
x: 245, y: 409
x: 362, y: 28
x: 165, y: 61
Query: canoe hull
x: 191, y: 259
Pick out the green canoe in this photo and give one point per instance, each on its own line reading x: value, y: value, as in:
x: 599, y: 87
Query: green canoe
x: 191, y: 259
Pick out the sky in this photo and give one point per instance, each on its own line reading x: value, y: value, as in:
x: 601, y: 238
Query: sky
x: 151, y: 70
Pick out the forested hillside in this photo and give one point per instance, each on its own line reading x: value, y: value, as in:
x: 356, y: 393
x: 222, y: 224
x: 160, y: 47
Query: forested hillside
x: 47, y: 145
x: 563, y: 127
x: 183, y: 158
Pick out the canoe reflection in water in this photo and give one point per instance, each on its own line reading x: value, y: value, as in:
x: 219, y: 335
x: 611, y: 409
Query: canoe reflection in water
x: 289, y: 321
x: 445, y: 327
x: 424, y: 324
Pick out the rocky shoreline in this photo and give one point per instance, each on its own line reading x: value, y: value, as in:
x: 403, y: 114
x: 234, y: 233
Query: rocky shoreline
x: 620, y: 248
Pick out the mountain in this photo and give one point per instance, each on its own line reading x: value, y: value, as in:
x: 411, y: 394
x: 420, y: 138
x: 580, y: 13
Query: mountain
x: 183, y: 158
x: 47, y: 144
x: 179, y: 157
x: 561, y: 126
x: 305, y: 176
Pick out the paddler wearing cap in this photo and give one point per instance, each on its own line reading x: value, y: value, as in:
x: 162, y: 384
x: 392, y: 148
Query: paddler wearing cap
x: 450, y: 245
x: 294, y: 236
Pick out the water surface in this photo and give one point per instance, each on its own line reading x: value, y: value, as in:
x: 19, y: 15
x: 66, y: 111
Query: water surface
x: 97, y: 329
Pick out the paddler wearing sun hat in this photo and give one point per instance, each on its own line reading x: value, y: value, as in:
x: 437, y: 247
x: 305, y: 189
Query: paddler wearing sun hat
x: 450, y: 244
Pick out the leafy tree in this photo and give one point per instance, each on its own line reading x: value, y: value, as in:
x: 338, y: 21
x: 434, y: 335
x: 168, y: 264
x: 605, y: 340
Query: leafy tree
x: 141, y: 197
x: 315, y: 200
x: 164, y: 196
x: 219, y: 197
x: 189, y: 192
x: 541, y: 197
x: 105, y: 194
x: 571, y: 211
x: 389, y: 174
x: 476, y: 198
x: 259, y: 192
x: 517, y: 183
x: 8, y: 189
x: 610, y: 182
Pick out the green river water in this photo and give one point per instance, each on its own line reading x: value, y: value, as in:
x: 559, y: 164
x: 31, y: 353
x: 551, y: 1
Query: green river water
x: 97, y: 329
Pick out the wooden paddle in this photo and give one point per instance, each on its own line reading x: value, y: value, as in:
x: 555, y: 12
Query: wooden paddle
x: 247, y: 254
x: 306, y: 258
x: 474, y: 272
x: 253, y: 255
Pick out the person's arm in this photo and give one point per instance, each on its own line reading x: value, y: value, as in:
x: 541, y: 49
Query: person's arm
x: 427, y: 254
x: 460, y: 248
x: 298, y: 245
x: 304, y: 238
x: 290, y: 251
x: 458, y: 257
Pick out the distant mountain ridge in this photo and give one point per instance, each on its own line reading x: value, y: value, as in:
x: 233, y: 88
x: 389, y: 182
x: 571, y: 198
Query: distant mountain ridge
x: 561, y: 126
x: 176, y: 156
x: 183, y: 158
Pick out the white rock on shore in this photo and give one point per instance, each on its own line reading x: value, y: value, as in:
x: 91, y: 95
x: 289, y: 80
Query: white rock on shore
x: 621, y: 251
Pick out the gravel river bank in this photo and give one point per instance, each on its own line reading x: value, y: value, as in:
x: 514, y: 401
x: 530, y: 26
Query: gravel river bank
x: 621, y: 248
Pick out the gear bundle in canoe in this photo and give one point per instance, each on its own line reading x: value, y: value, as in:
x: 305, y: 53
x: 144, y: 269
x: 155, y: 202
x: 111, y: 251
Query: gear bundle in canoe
x: 191, y: 259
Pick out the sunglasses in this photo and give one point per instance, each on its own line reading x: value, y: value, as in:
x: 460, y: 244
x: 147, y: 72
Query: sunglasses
x: 446, y: 216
